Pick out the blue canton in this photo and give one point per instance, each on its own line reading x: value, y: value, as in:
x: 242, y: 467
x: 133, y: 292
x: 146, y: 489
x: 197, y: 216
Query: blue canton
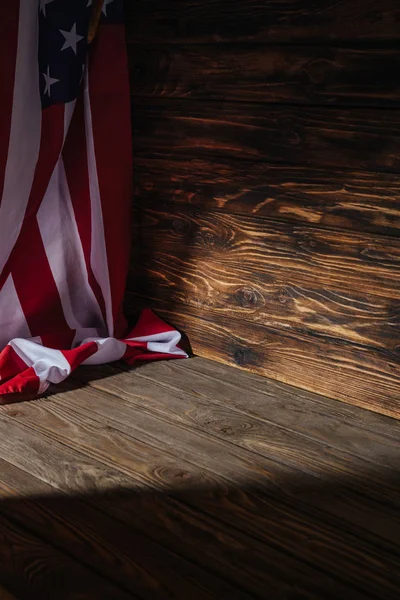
x: 63, y: 31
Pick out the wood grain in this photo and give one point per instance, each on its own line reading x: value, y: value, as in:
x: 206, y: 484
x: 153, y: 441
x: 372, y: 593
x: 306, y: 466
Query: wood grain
x: 280, y: 301
x: 287, y: 21
x: 132, y: 421
x: 363, y: 139
x: 356, y: 375
x: 262, y: 566
x: 66, y: 515
x: 278, y: 124
x: 241, y: 251
x: 209, y: 418
x: 32, y: 569
x: 270, y: 74
x: 359, y: 432
x: 301, y: 513
x: 105, y: 544
x: 325, y: 197
x: 302, y: 298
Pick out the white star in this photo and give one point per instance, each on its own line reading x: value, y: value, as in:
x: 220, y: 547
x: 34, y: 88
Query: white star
x: 49, y: 81
x: 43, y: 5
x: 71, y: 38
x: 104, y: 9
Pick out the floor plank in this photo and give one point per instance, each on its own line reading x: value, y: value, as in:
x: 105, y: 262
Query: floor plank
x: 195, y: 480
x: 33, y: 569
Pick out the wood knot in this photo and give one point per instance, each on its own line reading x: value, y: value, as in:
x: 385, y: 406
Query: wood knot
x: 15, y: 413
x: 320, y: 71
x: 284, y: 296
x: 172, y: 474
x: 247, y: 297
x: 243, y: 356
x: 307, y: 242
x: 205, y: 238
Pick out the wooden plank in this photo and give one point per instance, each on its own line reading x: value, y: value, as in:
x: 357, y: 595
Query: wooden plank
x: 278, y: 301
x: 136, y: 422
x: 103, y: 543
x: 218, y: 519
x: 56, y: 463
x: 323, y: 419
x: 351, y: 261
x: 330, y: 283
x: 188, y: 21
x: 59, y: 514
x: 53, y: 462
x: 32, y: 569
x: 153, y: 395
x: 288, y: 74
x: 262, y: 565
x: 356, y: 375
x: 328, y: 198
x: 362, y: 139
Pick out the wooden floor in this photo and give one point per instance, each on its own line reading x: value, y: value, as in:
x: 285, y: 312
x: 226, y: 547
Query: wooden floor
x: 193, y: 480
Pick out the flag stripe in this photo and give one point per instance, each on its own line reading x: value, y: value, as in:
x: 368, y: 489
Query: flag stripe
x: 110, y: 112
x: 64, y: 253
x: 9, y: 18
x: 76, y: 170
x: 40, y: 303
x: 98, y: 255
x: 12, y: 318
x: 25, y: 132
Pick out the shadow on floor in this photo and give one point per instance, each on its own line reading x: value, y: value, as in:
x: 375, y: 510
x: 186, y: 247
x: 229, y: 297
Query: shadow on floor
x: 281, y: 540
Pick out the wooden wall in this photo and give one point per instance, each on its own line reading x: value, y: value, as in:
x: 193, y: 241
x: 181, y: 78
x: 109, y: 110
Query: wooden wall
x: 267, y: 188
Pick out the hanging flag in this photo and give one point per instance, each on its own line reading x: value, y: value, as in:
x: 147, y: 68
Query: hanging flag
x: 65, y: 195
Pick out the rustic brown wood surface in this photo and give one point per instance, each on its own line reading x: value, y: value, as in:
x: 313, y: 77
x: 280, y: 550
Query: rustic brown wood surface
x: 354, y: 374
x: 328, y: 198
x: 270, y: 74
x: 265, y: 21
x: 315, y: 307
x: 266, y: 152
x: 322, y: 137
x: 195, y: 480
x: 254, y: 247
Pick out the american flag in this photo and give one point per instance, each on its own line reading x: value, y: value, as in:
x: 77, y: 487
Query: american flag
x: 65, y: 194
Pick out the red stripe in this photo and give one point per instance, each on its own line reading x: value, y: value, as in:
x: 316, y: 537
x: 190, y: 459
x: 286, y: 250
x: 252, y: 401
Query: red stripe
x: 36, y: 289
x: 9, y: 15
x: 52, y: 138
x: 110, y: 107
x: 26, y: 383
x: 51, y: 143
x: 78, y: 355
x: 10, y: 363
x: 76, y: 169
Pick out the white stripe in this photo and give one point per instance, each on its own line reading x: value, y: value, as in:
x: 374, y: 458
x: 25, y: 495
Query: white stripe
x: 165, y: 342
x: 64, y: 252
x: 12, y: 319
x: 98, y: 257
x: 109, y: 350
x: 25, y: 131
x: 50, y: 365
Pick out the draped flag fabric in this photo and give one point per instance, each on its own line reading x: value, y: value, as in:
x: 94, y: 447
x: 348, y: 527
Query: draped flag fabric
x: 65, y: 194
